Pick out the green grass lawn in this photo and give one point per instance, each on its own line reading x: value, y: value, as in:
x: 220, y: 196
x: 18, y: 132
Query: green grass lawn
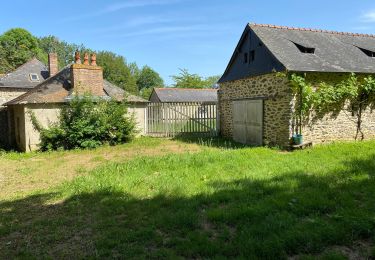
x: 214, y: 203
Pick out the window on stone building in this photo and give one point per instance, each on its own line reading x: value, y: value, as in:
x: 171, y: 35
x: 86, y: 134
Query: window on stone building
x: 34, y: 77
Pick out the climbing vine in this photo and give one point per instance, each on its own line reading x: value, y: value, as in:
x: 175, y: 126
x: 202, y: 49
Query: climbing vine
x: 357, y: 92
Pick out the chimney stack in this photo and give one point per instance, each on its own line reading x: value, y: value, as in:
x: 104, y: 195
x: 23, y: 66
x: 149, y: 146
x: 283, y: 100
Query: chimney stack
x: 87, y: 78
x: 53, y: 65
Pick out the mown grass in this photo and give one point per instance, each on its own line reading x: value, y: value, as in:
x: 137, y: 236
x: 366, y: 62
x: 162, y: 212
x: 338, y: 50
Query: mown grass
x: 217, y: 203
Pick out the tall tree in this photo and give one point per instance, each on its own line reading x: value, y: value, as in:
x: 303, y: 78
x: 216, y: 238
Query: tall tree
x: 187, y: 80
x: 18, y: 46
x: 212, y: 80
x: 148, y: 78
x: 116, y: 71
x: 65, y: 51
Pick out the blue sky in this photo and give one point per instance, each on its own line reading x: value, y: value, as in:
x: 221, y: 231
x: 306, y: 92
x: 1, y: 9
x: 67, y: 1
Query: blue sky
x: 199, y: 35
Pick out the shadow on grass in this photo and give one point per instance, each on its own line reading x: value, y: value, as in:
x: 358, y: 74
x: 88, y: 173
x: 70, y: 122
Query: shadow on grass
x: 296, y: 213
x: 217, y: 142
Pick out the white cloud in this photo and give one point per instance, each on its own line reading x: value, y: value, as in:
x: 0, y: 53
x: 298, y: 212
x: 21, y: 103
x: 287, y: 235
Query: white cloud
x: 138, y: 3
x: 122, y: 6
x: 368, y: 17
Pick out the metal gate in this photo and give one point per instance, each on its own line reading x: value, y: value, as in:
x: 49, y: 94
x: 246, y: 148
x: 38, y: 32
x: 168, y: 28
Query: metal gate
x: 248, y: 121
x: 172, y: 119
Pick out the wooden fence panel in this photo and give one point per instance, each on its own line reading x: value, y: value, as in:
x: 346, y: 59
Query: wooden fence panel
x: 172, y: 119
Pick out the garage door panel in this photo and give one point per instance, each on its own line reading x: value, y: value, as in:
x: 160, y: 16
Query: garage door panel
x: 248, y: 121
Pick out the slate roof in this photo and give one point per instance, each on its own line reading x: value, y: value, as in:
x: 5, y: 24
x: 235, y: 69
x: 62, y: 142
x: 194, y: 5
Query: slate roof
x: 58, y: 89
x: 20, y: 78
x: 334, y: 51
x: 186, y: 95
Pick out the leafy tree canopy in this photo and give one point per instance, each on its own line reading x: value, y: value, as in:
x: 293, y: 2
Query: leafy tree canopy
x: 148, y: 78
x: 187, y: 80
x: 65, y: 51
x: 17, y: 46
x: 115, y: 70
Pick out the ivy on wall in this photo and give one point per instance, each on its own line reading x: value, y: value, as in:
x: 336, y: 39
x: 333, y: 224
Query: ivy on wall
x: 358, y: 92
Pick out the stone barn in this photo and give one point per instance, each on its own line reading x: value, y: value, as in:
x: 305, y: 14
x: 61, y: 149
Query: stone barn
x: 256, y: 105
x: 46, y: 99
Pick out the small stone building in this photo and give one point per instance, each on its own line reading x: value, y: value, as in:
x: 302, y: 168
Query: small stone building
x: 174, y: 95
x: 45, y: 100
x: 256, y: 106
x: 14, y: 84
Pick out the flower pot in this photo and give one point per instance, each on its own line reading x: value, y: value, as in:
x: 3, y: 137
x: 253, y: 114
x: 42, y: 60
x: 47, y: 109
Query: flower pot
x: 297, y: 139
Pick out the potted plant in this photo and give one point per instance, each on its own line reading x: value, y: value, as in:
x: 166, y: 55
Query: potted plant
x: 302, y: 91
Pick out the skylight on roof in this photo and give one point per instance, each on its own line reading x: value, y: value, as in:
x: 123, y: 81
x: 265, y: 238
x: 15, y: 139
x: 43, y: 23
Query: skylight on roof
x: 304, y: 49
x: 34, y: 77
x: 367, y: 52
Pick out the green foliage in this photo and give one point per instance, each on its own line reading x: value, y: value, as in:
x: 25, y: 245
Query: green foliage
x: 187, y: 80
x: 146, y: 92
x: 211, y: 204
x: 17, y: 46
x: 148, y: 79
x: 65, y: 51
x: 325, y: 97
x: 115, y: 70
x: 88, y: 123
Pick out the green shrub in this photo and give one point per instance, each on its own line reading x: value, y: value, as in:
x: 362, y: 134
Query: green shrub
x: 87, y: 123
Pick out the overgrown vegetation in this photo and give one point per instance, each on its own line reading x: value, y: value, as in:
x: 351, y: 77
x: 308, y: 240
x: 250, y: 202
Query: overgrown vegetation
x: 354, y: 94
x: 255, y: 203
x: 87, y: 123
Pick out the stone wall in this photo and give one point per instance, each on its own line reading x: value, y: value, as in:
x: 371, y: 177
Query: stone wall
x: 277, y: 105
x: 46, y: 114
x: 341, y: 126
x: 6, y: 94
x: 28, y: 138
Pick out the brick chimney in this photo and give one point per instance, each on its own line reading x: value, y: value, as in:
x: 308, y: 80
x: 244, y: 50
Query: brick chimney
x: 53, y: 65
x: 87, y: 78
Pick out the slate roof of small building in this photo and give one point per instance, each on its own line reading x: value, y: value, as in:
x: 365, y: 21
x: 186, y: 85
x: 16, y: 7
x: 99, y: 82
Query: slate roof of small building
x: 58, y: 88
x: 334, y: 51
x: 186, y: 95
x: 20, y: 78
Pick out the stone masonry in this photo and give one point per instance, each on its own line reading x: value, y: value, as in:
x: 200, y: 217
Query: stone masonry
x: 340, y: 126
x: 6, y: 94
x: 277, y: 105
x: 278, y: 111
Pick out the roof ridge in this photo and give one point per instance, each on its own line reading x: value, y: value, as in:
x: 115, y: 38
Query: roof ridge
x: 37, y: 87
x: 186, y: 89
x: 21, y: 66
x: 311, y: 30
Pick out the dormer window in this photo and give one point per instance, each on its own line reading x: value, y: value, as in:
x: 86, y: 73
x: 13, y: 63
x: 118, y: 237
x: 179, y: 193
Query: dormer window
x: 367, y: 52
x: 304, y: 49
x: 34, y: 77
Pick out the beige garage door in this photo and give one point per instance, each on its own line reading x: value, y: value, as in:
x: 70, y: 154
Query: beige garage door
x: 248, y: 121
